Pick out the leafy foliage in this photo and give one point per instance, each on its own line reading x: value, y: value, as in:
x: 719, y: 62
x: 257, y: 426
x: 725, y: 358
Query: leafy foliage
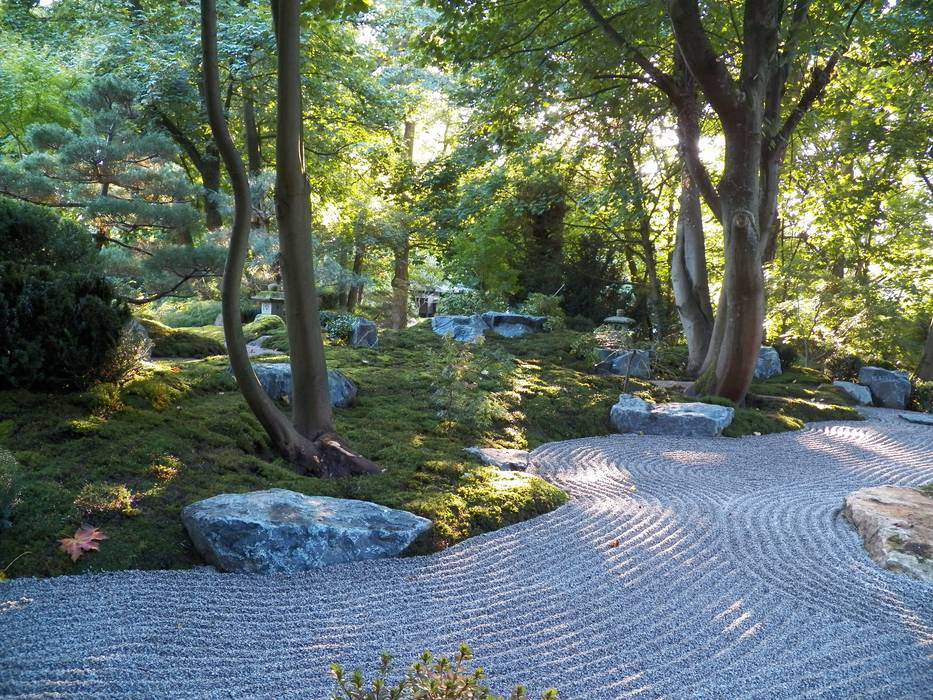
x: 429, y: 678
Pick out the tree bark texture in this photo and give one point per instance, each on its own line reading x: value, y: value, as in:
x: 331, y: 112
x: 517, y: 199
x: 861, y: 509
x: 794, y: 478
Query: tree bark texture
x: 400, y: 274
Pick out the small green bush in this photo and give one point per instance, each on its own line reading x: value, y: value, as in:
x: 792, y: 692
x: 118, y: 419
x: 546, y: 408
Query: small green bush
x: 103, y: 499
x: 581, y: 324
x: 788, y: 354
x: 337, y: 326
x: 35, y: 235
x: 844, y: 366
x: 429, y: 678
x: 468, y: 302
x: 921, y: 399
x: 58, y: 329
x: 9, y: 488
x: 538, y: 304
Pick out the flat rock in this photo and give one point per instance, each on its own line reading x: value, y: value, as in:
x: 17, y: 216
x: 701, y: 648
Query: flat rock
x: 634, y: 363
x: 466, y: 329
x: 919, y: 418
x: 364, y: 333
x: 860, y: 393
x: 276, y: 379
x: 768, y: 364
x: 896, y: 525
x: 513, y: 325
x: 634, y: 415
x: 281, y: 531
x: 889, y: 389
x: 513, y: 460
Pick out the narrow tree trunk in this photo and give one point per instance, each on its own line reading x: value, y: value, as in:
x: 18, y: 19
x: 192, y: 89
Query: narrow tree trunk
x: 209, y: 167
x: 925, y: 368
x: 355, y: 295
x: 400, y: 276
x: 325, y: 454
x: 689, y: 277
x: 251, y: 134
x: 653, y: 295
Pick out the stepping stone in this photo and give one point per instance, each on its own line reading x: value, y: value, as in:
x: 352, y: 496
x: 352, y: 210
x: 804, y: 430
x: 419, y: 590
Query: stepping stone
x: 634, y: 415
x: 919, y: 418
x: 281, y: 531
x: 896, y: 525
x: 510, y: 460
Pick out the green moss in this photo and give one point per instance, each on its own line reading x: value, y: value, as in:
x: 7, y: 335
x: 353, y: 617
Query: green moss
x: 203, y: 341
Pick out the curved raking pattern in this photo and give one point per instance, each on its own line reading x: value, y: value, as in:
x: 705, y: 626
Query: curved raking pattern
x: 681, y: 568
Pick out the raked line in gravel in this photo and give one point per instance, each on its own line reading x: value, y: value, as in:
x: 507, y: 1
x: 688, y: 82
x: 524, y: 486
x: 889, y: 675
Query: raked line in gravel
x: 681, y: 568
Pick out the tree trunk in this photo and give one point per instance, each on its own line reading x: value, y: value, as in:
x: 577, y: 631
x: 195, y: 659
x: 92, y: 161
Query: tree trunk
x: 689, y: 277
x: 925, y: 368
x: 251, y: 134
x: 209, y: 167
x: 400, y: 276
x: 355, y: 295
x: 653, y: 295
x: 325, y: 454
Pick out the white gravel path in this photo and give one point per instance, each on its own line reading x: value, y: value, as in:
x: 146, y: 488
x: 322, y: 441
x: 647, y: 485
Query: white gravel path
x: 681, y: 568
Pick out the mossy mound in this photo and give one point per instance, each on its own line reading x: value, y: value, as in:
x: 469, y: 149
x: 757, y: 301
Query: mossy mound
x: 196, y: 342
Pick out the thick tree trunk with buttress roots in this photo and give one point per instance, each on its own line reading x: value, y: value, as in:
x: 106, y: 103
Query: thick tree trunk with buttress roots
x: 321, y: 454
x: 689, y: 277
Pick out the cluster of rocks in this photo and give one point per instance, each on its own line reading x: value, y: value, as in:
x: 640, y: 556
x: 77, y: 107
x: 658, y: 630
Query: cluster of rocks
x: 634, y: 415
x: 879, y: 387
x: 276, y: 379
x: 469, y: 329
x: 281, y: 531
x: 896, y: 525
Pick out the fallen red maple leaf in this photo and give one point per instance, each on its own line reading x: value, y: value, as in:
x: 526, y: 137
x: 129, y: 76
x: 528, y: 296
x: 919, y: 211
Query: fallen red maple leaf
x: 85, y: 539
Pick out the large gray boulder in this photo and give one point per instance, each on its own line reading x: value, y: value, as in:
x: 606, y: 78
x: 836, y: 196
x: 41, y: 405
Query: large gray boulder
x: 896, y: 525
x: 276, y: 379
x: 634, y: 363
x: 858, y: 392
x: 364, y: 333
x: 513, y: 325
x: 634, y: 415
x: 466, y: 329
x: 768, y: 364
x: 281, y: 531
x: 500, y: 457
x: 889, y: 389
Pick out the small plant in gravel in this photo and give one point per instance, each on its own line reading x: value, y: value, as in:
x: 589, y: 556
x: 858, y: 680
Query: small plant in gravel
x: 429, y: 678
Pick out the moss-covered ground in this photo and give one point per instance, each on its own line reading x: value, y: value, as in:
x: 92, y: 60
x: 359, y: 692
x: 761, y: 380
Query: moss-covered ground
x: 127, y: 459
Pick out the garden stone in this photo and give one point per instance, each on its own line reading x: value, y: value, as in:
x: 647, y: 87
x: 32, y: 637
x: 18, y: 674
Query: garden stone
x: 896, y: 525
x: 889, y: 389
x: 634, y: 415
x: 517, y: 460
x: 276, y: 379
x: 219, y: 320
x: 918, y: 418
x: 860, y: 393
x: 466, y: 329
x: 513, y: 325
x: 768, y: 364
x: 281, y: 531
x: 364, y: 333
x: 634, y: 363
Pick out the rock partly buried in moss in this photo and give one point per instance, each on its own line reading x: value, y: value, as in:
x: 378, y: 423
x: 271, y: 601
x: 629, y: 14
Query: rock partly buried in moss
x: 634, y: 415
x: 503, y: 458
x: 889, y: 389
x: 466, y: 329
x: 513, y: 325
x: 862, y: 394
x: 629, y: 363
x: 276, y: 379
x: 365, y: 334
x: 896, y: 525
x: 281, y: 531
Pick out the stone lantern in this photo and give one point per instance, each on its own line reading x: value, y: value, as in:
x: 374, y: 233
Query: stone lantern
x: 272, y: 301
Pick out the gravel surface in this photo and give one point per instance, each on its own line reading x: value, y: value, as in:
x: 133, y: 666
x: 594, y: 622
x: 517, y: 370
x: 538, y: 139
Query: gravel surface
x: 682, y: 568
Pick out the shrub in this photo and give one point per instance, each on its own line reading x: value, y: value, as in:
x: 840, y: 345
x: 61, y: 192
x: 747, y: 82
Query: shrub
x: 613, y: 338
x: 581, y: 324
x: 788, y: 354
x: 133, y: 348
x: 429, y: 678
x: 538, y: 304
x: 844, y: 366
x: 469, y: 302
x: 34, y: 235
x: 58, y: 329
x: 921, y: 399
x: 457, y: 394
x: 337, y: 326
x: 9, y: 488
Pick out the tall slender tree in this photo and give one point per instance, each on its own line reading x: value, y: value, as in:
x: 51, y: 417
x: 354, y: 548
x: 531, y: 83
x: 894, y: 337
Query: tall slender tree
x: 308, y: 440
